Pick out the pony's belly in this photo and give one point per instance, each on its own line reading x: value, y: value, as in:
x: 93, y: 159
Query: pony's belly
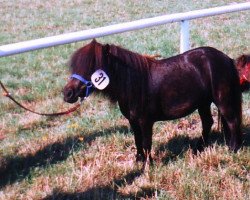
x: 180, y: 97
x: 178, y: 111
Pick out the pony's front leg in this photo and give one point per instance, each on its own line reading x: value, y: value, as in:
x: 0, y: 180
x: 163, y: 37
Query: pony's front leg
x: 140, y: 156
x: 146, y: 129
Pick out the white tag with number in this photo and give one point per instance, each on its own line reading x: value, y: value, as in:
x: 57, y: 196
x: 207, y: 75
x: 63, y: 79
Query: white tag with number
x: 100, y: 79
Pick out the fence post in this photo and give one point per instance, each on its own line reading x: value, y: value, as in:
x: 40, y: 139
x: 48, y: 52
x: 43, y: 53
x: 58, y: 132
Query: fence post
x: 184, y: 38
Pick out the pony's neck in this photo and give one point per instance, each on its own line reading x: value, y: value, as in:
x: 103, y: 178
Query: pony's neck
x: 128, y: 73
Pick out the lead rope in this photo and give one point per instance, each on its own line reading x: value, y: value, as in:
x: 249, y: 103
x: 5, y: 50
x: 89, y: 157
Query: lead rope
x: 7, y: 94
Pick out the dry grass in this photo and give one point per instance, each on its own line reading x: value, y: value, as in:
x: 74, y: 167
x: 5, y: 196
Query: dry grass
x: 90, y: 154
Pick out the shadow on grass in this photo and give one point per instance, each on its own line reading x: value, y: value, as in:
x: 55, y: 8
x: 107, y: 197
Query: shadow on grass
x: 17, y: 168
x: 178, y: 145
x: 106, y: 192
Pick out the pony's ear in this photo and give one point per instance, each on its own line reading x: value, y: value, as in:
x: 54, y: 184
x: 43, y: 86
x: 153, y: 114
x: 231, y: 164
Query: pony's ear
x: 93, y: 41
x: 241, y: 61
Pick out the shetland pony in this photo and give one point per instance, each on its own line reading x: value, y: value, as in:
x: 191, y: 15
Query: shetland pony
x: 149, y: 90
x: 243, y: 66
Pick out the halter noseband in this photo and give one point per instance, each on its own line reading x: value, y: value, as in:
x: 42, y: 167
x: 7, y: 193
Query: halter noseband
x: 88, y: 84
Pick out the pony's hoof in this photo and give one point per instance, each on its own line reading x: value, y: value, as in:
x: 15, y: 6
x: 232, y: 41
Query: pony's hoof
x: 234, y: 148
x: 234, y: 145
x: 140, y: 158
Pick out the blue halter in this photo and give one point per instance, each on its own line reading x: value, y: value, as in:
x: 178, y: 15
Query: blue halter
x: 88, y: 84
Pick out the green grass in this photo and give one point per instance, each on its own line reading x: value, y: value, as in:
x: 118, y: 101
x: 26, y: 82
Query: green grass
x: 90, y: 154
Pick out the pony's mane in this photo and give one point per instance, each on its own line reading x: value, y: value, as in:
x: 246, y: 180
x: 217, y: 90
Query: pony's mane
x: 131, y: 59
x: 130, y: 73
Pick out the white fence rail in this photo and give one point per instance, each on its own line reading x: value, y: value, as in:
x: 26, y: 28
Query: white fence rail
x: 21, y: 47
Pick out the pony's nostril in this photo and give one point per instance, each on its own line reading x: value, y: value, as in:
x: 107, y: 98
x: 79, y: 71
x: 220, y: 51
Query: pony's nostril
x: 69, y: 94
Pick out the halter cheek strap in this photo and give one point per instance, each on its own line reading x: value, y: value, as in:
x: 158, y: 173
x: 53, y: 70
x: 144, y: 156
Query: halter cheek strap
x: 88, y: 84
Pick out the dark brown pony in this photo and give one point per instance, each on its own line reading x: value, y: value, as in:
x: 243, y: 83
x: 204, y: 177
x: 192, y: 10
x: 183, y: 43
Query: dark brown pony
x: 149, y: 90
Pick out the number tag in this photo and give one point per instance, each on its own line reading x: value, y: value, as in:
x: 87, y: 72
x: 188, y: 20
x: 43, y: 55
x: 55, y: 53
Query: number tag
x: 100, y: 79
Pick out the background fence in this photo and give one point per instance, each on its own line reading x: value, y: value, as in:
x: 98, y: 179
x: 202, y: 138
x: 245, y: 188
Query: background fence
x: 16, y: 48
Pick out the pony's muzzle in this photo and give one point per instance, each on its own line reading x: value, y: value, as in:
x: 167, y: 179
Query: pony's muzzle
x: 69, y: 95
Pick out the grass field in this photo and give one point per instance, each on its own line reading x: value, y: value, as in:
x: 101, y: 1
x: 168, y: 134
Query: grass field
x: 91, y: 154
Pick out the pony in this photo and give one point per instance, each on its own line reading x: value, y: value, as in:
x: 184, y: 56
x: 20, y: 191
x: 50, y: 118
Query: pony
x: 243, y: 66
x: 149, y: 90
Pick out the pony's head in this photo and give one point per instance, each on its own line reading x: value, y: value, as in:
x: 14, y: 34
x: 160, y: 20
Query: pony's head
x: 84, y: 62
x: 243, y: 66
x: 93, y: 65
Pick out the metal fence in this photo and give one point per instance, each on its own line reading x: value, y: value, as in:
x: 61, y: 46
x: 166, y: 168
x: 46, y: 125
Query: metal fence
x: 183, y: 18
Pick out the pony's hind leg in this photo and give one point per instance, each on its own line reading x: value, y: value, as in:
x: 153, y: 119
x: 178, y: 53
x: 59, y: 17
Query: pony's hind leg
x: 227, y: 97
x: 206, y: 120
x: 233, y: 135
x: 231, y: 119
